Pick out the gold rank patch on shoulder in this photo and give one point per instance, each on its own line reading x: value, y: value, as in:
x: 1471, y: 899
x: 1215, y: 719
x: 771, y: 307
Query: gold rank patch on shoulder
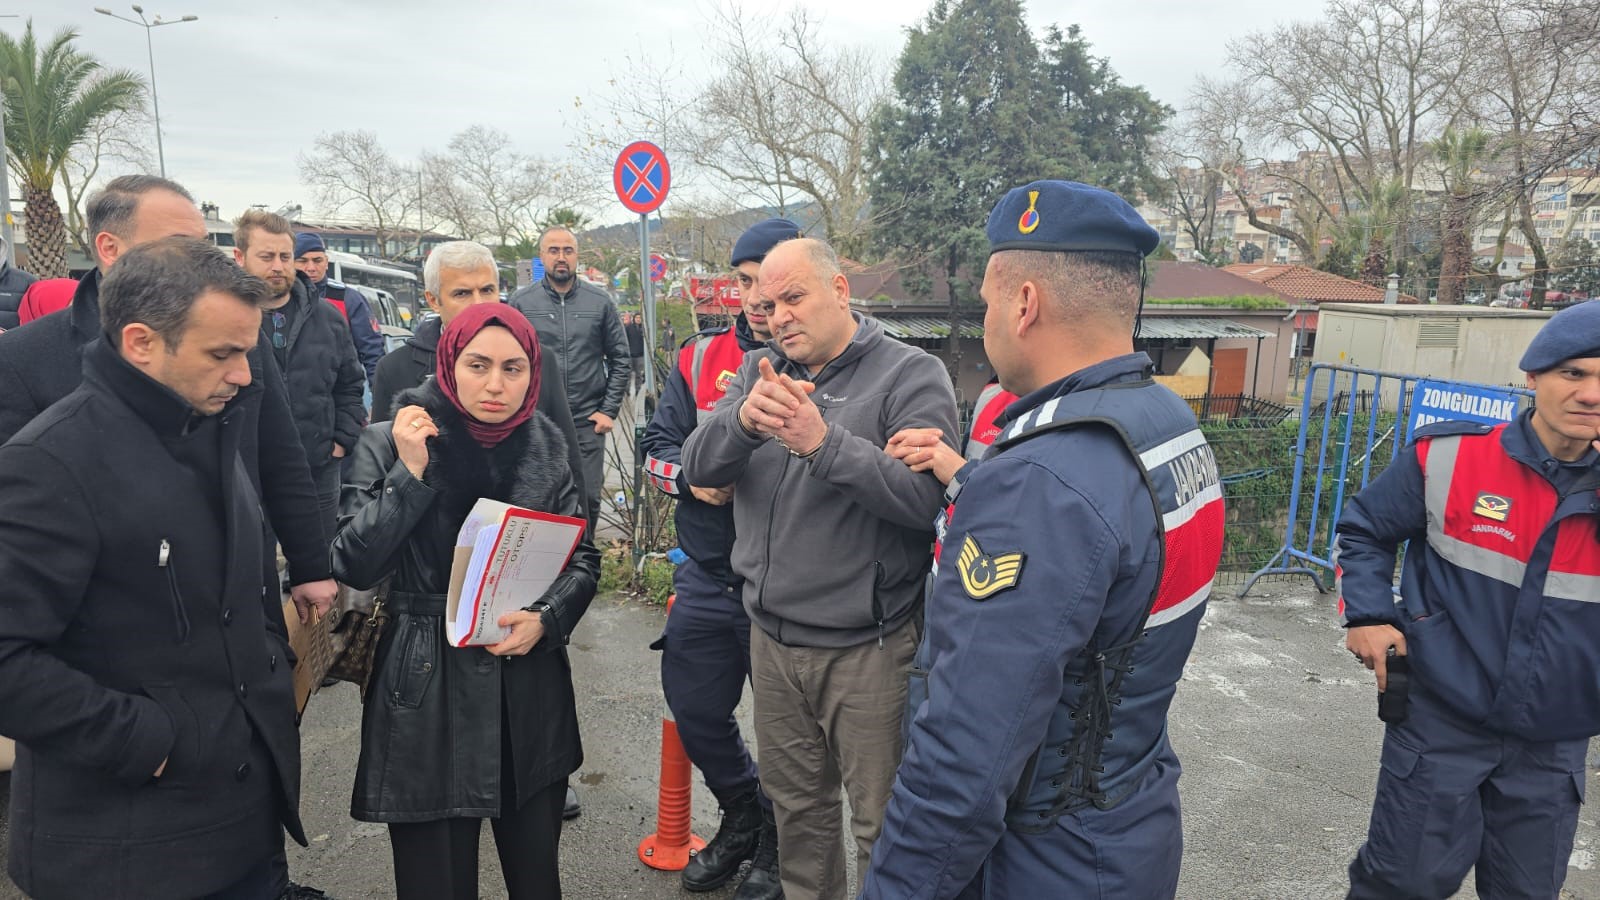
x: 983, y: 575
x: 1492, y: 506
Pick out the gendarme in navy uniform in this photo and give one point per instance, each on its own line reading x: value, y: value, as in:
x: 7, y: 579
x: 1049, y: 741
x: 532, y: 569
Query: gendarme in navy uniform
x: 1072, y: 573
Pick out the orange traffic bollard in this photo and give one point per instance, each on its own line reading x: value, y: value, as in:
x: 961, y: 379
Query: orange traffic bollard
x: 673, y: 843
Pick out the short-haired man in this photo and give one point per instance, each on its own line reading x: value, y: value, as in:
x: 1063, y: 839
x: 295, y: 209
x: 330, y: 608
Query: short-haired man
x: 145, y: 682
x: 579, y: 326
x: 832, y: 541
x: 1484, y: 762
x: 41, y: 363
x: 311, y: 258
x: 1073, y: 572
x: 705, y: 648
x: 311, y: 344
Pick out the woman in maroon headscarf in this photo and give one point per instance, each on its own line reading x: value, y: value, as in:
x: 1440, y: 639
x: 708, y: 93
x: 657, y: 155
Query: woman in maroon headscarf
x: 452, y: 736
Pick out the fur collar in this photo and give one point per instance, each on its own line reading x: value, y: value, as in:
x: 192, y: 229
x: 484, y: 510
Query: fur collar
x: 528, y: 469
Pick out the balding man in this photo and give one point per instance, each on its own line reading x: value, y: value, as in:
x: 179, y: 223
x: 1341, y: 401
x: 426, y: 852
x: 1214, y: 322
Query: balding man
x: 1073, y: 571
x: 579, y: 327
x: 832, y: 544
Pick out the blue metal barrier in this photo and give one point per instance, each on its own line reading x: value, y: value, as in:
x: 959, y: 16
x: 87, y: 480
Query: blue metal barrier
x: 1337, y: 458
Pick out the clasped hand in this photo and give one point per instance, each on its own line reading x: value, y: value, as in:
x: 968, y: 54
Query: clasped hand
x: 780, y: 407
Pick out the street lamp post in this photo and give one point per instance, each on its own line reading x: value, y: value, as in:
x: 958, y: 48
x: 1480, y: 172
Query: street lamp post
x: 149, y: 46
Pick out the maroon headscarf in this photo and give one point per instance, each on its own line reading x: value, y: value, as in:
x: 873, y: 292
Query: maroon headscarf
x: 458, y: 334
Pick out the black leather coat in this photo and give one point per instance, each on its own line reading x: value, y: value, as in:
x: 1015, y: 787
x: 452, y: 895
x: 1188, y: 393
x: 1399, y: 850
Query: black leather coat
x: 431, y: 729
x: 584, y: 332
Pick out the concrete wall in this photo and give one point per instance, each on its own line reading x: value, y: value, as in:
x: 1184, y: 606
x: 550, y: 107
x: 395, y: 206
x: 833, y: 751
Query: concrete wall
x: 1464, y: 343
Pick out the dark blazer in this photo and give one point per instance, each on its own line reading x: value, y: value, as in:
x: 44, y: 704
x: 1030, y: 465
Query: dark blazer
x: 430, y: 731
x: 136, y: 630
x: 40, y: 363
x: 409, y: 365
x: 324, y: 377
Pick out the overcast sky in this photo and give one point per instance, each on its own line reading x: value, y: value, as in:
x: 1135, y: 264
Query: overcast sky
x: 248, y: 86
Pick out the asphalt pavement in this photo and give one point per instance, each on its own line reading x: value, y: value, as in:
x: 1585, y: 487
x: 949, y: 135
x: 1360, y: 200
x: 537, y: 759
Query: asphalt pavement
x: 1274, y: 723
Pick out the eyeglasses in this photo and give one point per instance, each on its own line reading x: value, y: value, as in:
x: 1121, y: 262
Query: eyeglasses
x: 279, y: 321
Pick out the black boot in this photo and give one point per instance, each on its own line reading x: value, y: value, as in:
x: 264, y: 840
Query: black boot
x: 735, y: 842
x: 762, y: 882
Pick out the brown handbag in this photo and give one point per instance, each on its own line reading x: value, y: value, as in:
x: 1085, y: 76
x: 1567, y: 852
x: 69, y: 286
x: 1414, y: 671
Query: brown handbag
x: 355, y: 634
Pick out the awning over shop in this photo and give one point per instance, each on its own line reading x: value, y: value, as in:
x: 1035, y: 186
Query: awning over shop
x: 924, y: 328
x: 1165, y: 328
x: 1155, y: 328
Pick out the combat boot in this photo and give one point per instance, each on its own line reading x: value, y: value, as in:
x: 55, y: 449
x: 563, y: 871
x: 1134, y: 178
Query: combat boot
x: 762, y: 882
x: 734, y: 843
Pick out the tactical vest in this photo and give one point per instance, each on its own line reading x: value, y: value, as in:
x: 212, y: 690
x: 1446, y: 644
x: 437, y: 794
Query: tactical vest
x: 1066, y: 773
x: 992, y: 401
x: 334, y: 293
x: 709, y: 365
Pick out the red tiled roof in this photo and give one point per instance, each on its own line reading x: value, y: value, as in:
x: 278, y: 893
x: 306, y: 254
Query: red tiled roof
x: 1306, y: 284
x: 1172, y: 280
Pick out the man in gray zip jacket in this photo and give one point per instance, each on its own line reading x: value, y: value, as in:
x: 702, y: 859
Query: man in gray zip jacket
x: 580, y: 326
x: 833, y: 543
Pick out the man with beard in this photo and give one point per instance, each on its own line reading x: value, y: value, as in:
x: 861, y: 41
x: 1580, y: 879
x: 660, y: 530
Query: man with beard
x: 313, y: 349
x: 579, y: 325
x: 705, y: 648
x: 311, y: 258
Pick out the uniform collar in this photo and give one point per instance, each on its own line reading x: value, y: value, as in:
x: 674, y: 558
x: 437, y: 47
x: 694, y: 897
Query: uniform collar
x: 1522, y: 443
x: 747, y: 339
x: 1118, y: 369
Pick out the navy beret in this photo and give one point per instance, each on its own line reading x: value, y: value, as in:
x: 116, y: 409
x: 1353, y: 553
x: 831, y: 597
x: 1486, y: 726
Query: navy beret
x: 759, y: 239
x: 1573, y: 333
x: 306, y: 241
x: 1066, y: 215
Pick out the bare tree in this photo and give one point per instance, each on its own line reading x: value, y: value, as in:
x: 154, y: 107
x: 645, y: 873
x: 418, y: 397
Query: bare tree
x: 115, y: 144
x: 1365, y: 87
x: 788, y: 119
x: 449, y: 198
x: 1535, y: 85
x: 649, y: 97
x: 350, y: 173
x: 505, y: 186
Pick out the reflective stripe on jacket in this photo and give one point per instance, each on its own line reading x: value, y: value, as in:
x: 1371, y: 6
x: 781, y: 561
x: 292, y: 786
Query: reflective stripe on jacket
x: 1501, y: 593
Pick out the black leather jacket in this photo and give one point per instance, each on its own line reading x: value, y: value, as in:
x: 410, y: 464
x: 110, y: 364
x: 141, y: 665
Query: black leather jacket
x: 430, y: 731
x: 584, y: 331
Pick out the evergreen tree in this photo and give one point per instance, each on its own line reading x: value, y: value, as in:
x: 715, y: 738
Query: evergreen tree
x: 978, y: 108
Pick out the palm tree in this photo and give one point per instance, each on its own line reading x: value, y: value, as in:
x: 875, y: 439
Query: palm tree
x: 54, y: 95
x: 565, y: 217
x: 1459, y: 152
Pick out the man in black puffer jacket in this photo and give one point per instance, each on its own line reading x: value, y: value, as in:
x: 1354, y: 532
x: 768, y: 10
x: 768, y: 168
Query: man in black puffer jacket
x: 13, y: 281
x: 312, y: 344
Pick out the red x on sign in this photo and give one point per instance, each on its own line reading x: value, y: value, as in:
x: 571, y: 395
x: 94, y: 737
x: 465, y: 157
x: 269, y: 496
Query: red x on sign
x: 641, y: 177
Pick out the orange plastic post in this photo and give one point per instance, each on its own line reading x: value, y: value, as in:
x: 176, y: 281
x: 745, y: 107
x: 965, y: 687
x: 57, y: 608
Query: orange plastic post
x: 673, y: 843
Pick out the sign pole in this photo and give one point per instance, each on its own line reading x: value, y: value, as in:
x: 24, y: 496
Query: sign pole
x: 647, y: 301
x: 642, y: 178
